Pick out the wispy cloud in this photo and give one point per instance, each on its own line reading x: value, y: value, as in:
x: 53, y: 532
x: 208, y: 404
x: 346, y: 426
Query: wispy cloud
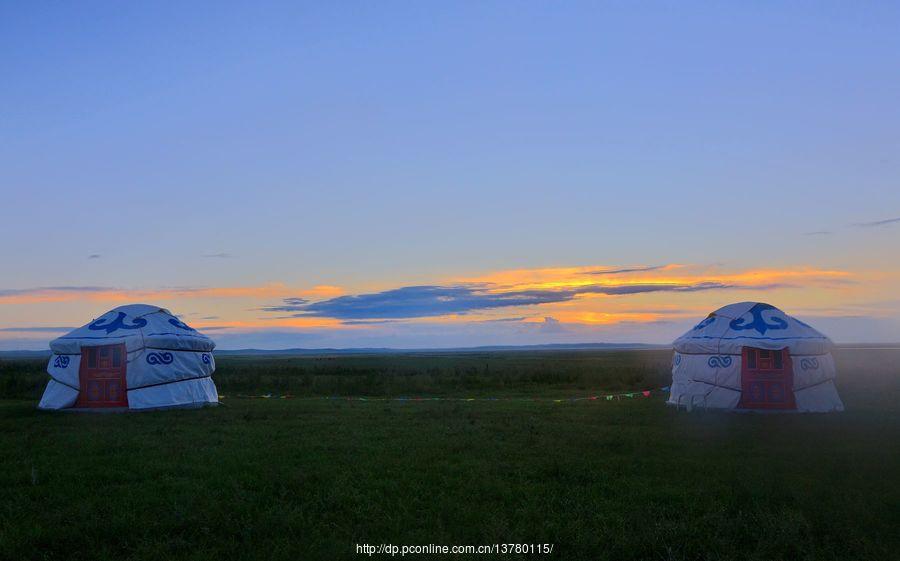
x: 818, y: 233
x: 877, y: 223
x: 289, y: 305
x: 43, y: 294
x: 369, y: 321
x: 221, y: 255
x: 111, y: 294
x: 551, y: 325
x: 11, y: 292
x: 626, y: 270
x: 94, y: 256
x: 37, y: 329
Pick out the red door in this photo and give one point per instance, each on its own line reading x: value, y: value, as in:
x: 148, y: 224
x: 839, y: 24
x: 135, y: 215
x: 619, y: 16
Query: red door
x: 102, y: 377
x: 767, y: 379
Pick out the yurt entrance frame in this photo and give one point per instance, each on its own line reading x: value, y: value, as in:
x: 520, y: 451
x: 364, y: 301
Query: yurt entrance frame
x: 102, y: 377
x: 767, y: 379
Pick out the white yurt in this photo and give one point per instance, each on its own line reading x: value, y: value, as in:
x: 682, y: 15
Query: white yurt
x: 752, y: 356
x: 135, y: 357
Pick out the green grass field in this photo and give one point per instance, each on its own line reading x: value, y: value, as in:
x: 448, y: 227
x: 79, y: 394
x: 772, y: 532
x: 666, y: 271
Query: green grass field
x: 311, y: 478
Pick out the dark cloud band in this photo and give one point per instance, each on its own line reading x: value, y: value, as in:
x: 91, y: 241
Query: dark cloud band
x: 434, y: 300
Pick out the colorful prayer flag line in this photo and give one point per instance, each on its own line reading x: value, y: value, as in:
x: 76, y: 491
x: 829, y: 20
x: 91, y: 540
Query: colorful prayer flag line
x: 606, y: 396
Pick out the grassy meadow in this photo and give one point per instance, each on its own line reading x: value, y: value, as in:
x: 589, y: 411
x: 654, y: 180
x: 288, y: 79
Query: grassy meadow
x: 310, y: 478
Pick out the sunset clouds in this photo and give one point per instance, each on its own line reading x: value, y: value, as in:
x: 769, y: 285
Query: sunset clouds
x: 565, y: 302
x: 591, y: 295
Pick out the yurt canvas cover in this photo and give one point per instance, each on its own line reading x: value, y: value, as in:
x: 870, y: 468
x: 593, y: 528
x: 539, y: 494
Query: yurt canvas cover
x: 753, y: 356
x: 136, y: 356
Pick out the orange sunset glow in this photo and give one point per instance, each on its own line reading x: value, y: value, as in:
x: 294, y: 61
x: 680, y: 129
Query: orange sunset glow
x: 573, y: 300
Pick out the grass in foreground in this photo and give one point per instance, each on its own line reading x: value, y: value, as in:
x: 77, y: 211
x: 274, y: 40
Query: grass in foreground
x: 262, y: 479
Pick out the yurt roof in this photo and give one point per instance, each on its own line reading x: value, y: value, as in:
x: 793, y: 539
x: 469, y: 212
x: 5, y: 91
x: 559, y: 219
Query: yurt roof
x: 138, y: 326
x: 752, y: 324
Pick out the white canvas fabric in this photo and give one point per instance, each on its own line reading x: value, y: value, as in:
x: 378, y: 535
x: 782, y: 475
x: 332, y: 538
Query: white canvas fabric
x: 168, y: 363
x: 706, y: 367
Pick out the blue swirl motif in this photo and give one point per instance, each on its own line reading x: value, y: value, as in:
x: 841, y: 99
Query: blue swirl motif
x: 723, y: 361
x: 709, y: 319
x: 181, y: 325
x: 160, y: 358
x: 677, y: 359
x: 759, y: 323
x: 61, y: 362
x: 205, y: 358
x: 809, y: 363
x: 116, y: 324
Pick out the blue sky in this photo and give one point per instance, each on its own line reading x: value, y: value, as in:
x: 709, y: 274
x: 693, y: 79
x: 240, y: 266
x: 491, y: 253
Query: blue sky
x: 376, y: 148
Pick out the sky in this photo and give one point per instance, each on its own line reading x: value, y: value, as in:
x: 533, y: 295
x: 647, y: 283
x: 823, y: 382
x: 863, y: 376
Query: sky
x: 448, y: 174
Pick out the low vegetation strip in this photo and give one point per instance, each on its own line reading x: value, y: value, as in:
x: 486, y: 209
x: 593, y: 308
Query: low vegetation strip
x: 419, y: 398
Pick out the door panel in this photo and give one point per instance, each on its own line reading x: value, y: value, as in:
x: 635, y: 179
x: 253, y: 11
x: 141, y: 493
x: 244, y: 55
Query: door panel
x: 102, y: 377
x: 767, y: 379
